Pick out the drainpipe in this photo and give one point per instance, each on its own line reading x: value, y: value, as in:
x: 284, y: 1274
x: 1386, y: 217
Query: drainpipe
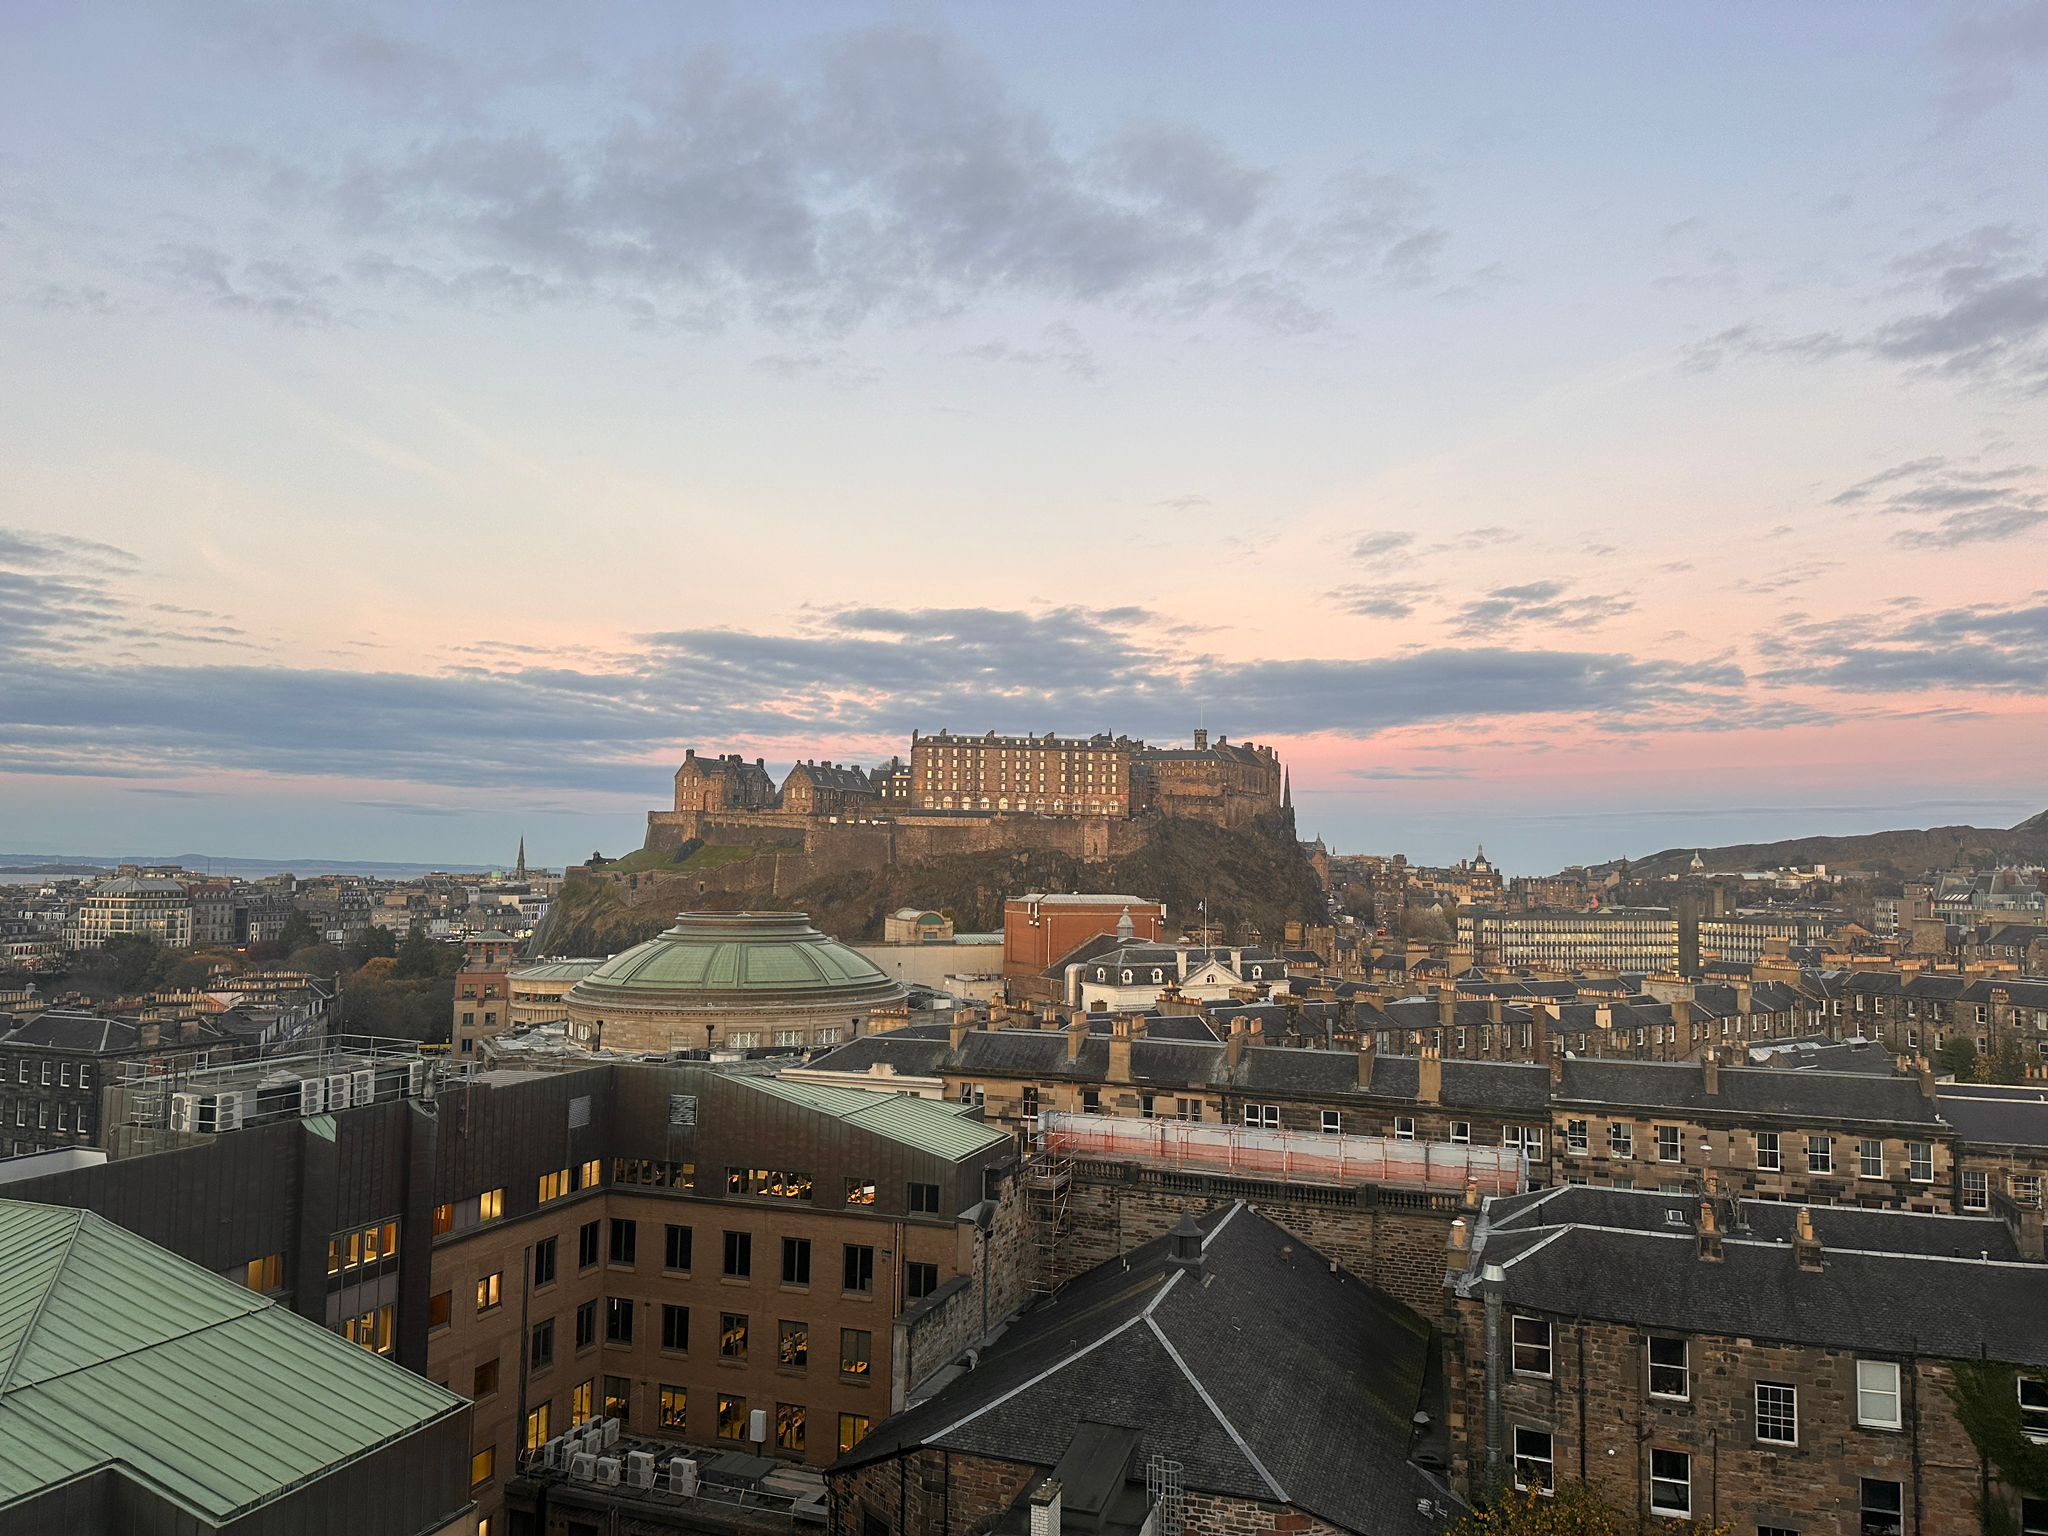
x: 1492, y: 1282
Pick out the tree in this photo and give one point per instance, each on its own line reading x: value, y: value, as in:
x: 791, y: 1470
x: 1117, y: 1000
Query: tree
x: 298, y: 932
x: 1570, y: 1509
x: 1958, y: 1059
x: 419, y: 956
x: 374, y: 943
x: 2005, y: 1062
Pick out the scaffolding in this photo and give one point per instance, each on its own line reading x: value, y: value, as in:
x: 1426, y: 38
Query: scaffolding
x: 1049, y: 1189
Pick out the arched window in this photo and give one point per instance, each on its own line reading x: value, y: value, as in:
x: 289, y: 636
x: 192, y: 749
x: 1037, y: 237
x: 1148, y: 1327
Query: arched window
x: 1127, y: 978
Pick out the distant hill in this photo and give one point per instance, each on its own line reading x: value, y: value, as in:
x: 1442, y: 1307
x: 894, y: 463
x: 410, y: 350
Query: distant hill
x: 77, y: 864
x: 1901, y: 855
x: 1252, y: 879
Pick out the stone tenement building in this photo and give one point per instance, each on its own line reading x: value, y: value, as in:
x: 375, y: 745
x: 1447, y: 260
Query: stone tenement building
x: 1100, y: 780
x: 1747, y: 1365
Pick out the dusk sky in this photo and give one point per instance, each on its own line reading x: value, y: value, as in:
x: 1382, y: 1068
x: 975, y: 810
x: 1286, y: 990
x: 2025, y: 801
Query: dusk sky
x: 1585, y: 428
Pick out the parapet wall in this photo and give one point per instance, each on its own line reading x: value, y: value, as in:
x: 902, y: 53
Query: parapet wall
x: 829, y: 846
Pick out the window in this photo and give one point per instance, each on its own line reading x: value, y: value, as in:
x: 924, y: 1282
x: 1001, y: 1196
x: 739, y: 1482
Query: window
x: 625, y: 1245
x: 860, y: 1191
x: 1531, y: 1346
x: 789, y: 1426
x: 1333, y: 1122
x: 1877, y: 1394
x: 1671, y: 1484
x: 490, y: 1292
x: 1575, y: 1139
x: 483, y: 1466
x: 1534, y: 1464
x: 674, y: 1410
x: 1621, y: 1141
x: 1820, y: 1155
x: 2034, y: 1408
x: 586, y: 1245
x: 440, y: 1309
x: 1976, y: 1189
x: 856, y: 1351
x: 739, y: 1255
x: 1668, y: 1144
x: 553, y: 1185
x: 265, y: 1274
x: 618, y: 1398
x: 490, y: 1205
x: 1404, y: 1127
x: 1669, y: 1376
x: 732, y: 1417
x: 769, y: 1183
x: 732, y: 1335
x: 1777, y: 1413
x: 675, y: 1327
x: 2033, y: 1517
x: 544, y: 1262
x: 537, y: 1428
x: 444, y: 1219
x: 859, y: 1269
x: 1262, y: 1116
x: 590, y: 1173
x: 484, y: 1381
x: 541, y: 1347
x: 618, y: 1319
x: 793, y: 1345
x: 796, y: 1261
x: 920, y: 1280
x: 586, y: 1325
x: 1883, y: 1508
x: 579, y: 1401
x: 853, y: 1428
x: 1869, y: 1158
x: 924, y: 1198
x: 1920, y: 1162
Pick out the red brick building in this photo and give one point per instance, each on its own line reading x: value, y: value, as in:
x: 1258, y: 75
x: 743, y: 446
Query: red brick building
x: 1043, y: 928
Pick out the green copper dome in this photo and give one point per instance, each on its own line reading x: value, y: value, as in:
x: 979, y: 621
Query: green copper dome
x: 723, y: 959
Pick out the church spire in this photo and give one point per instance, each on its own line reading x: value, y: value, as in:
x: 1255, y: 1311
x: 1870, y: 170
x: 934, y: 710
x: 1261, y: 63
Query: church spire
x: 519, y: 869
x: 1286, y: 789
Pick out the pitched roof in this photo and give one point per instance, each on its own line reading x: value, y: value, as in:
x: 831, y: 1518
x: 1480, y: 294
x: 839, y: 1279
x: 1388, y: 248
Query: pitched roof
x: 104, y: 1337
x: 1270, y: 1375
x: 1745, y: 1090
x: 2014, y: 1117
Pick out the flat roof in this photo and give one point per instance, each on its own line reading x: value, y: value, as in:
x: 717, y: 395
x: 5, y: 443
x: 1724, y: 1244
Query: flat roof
x: 929, y: 1126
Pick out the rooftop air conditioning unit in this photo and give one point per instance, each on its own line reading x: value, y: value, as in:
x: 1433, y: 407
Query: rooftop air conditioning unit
x: 555, y: 1455
x: 184, y: 1111
x: 337, y: 1091
x: 757, y: 1426
x: 227, y: 1113
x: 312, y: 1095
x: 415, y: 1077
x: 608, y: 1471
x: 611, y: 1432
x: 640, y: 1469
x: 682, y: 1476
x: 583, y: 1467
x: 363, y: 1089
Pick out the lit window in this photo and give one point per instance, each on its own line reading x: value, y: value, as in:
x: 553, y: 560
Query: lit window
x: 483, y: 1466
x: 537, y: 1428
x: 490, y: 1205
x: 732, y: 1418
x: 856, y: 1352
x: 674, y: 1410
x: 789, y: 1426
x: 853, y: 1428
x: 490, y: 1292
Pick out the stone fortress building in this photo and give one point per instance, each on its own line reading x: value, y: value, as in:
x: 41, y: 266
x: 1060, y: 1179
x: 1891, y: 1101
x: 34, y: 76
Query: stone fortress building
x: 1083, y: 794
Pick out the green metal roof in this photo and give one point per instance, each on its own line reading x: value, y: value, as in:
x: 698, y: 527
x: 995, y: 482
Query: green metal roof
x: 926, y: 1124
x: 555, y: 970
x: 749, y: 953
x: 114, y: 1352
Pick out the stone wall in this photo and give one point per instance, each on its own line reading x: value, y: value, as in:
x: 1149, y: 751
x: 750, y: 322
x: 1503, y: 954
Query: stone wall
x: 833, y: 845
x: 1394, y: 1239
x: 995, y: 1273
x: 925, y: 1490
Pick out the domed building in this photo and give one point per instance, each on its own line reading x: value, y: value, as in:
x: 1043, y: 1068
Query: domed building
x: 734, y: 979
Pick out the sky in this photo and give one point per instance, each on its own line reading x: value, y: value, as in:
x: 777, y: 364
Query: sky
x: 1583, y: 428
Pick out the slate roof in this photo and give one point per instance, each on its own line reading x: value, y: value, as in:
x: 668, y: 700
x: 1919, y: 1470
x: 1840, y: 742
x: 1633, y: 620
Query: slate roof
x: 1833, y: 1096
x: 85, y: 1032
x: 1824, y: 1055
x: 1837, y: 1226
x: 1877, y: 1303
x: 1988, y: 1118
x: 1269, y: 1375
x: 109, y: 1344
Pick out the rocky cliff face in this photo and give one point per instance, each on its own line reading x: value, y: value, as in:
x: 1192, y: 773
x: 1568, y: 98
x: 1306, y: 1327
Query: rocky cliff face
x: 1254, y: 879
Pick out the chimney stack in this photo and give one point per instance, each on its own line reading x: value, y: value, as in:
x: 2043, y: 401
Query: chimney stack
x: 1368, y: 1051
x: 1184, y: 1244
x: 1429, y: 1076
x: 958, y: 1032
x: 1710, y: 1068
x: 1460, y: 1258
x: 1120, y: 1038
x: 1924, y: 1070
x: 1447, y: 1003
x: 1710, y: 1233
x: 1077, y: 1033
x: 1045, y: 1508
x: 1806, y: 1246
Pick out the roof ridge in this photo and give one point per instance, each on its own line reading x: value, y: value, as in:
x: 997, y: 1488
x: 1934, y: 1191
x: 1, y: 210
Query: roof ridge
x: 1213, y: 1406
x: 28, y: 1328
x: 261, y: 1304
x: 1057, y: 1366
